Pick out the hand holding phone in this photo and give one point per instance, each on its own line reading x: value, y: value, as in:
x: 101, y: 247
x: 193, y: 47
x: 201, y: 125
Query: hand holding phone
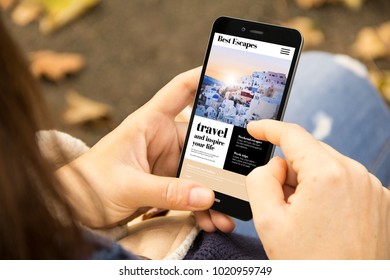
x: 247, y: 75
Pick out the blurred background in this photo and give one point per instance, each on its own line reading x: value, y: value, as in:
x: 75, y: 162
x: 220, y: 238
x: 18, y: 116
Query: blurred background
x: 114, y: 55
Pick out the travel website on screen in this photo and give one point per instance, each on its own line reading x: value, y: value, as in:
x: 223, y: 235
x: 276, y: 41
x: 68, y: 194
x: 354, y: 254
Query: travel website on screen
x: 244, y: 81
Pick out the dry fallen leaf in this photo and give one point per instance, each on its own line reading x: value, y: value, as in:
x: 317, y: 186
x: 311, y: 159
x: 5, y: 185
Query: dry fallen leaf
x: 384, y: 34
x: 55, y: 13
x: 6, y: 4
x: 372, y: 43
x: 26, y: 12
x: 81, y: 110
x: 312, y: 35
x: 309, y: 4
x: 55, y: 66
x: 368, y: 44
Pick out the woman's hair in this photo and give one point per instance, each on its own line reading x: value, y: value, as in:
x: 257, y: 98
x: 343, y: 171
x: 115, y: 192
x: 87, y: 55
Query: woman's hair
x: 29, y: 228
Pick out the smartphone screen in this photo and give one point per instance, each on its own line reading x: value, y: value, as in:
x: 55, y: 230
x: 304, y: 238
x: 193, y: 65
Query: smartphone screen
x: 246, y: 76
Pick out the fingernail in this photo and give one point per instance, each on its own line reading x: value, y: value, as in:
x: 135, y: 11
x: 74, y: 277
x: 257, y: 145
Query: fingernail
x: 200, y: 197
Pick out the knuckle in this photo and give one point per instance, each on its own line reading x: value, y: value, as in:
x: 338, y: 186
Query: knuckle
x: 172, y: 195
x: 349, y: 172
x: 296, y: 129
x: 335, y: 172
x: 359, y: 172
x: 182, y: 79
x: 292, y: 131
x: 357, y: 168
x: 376, y: 182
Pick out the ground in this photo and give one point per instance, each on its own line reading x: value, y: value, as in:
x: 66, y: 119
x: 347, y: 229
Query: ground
x: 135, y: 47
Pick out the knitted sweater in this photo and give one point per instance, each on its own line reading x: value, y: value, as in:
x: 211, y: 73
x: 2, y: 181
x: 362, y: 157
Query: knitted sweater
x: 207, y: 246
x: 221, y: 246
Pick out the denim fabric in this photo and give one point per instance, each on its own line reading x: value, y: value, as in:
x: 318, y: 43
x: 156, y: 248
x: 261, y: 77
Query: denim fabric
x: 333, y: 91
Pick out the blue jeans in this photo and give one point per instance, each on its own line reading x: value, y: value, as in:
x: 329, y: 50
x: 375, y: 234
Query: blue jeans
x: 332, y: 98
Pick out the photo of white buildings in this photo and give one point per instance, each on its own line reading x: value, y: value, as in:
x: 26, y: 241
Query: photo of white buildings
x: 241, y: 86
x: 250, y: 97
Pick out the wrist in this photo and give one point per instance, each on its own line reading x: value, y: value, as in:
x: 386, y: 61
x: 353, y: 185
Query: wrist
x: 80, y: 195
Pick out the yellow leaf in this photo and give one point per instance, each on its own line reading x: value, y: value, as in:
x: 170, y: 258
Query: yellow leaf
x: 312, y: 35
x: 368, y: 44
x: 386, y: 93
x: 61, y: 12
x: 308, y: 4
x: 82, y: 110
x: 354, y: 4
x: 381, y: 80
x: 55, y: 66
x: 375, y: 78
x: 385, y: 89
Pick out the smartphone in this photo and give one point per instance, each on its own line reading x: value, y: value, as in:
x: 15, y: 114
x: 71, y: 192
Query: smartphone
x: 247, y: 75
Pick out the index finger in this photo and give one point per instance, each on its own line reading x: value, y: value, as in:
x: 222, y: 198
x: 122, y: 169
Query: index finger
x: 177, y: 94
x: 298, y: 146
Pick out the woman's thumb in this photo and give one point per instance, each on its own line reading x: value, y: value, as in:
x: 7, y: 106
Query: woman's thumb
x: 175, y: 194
